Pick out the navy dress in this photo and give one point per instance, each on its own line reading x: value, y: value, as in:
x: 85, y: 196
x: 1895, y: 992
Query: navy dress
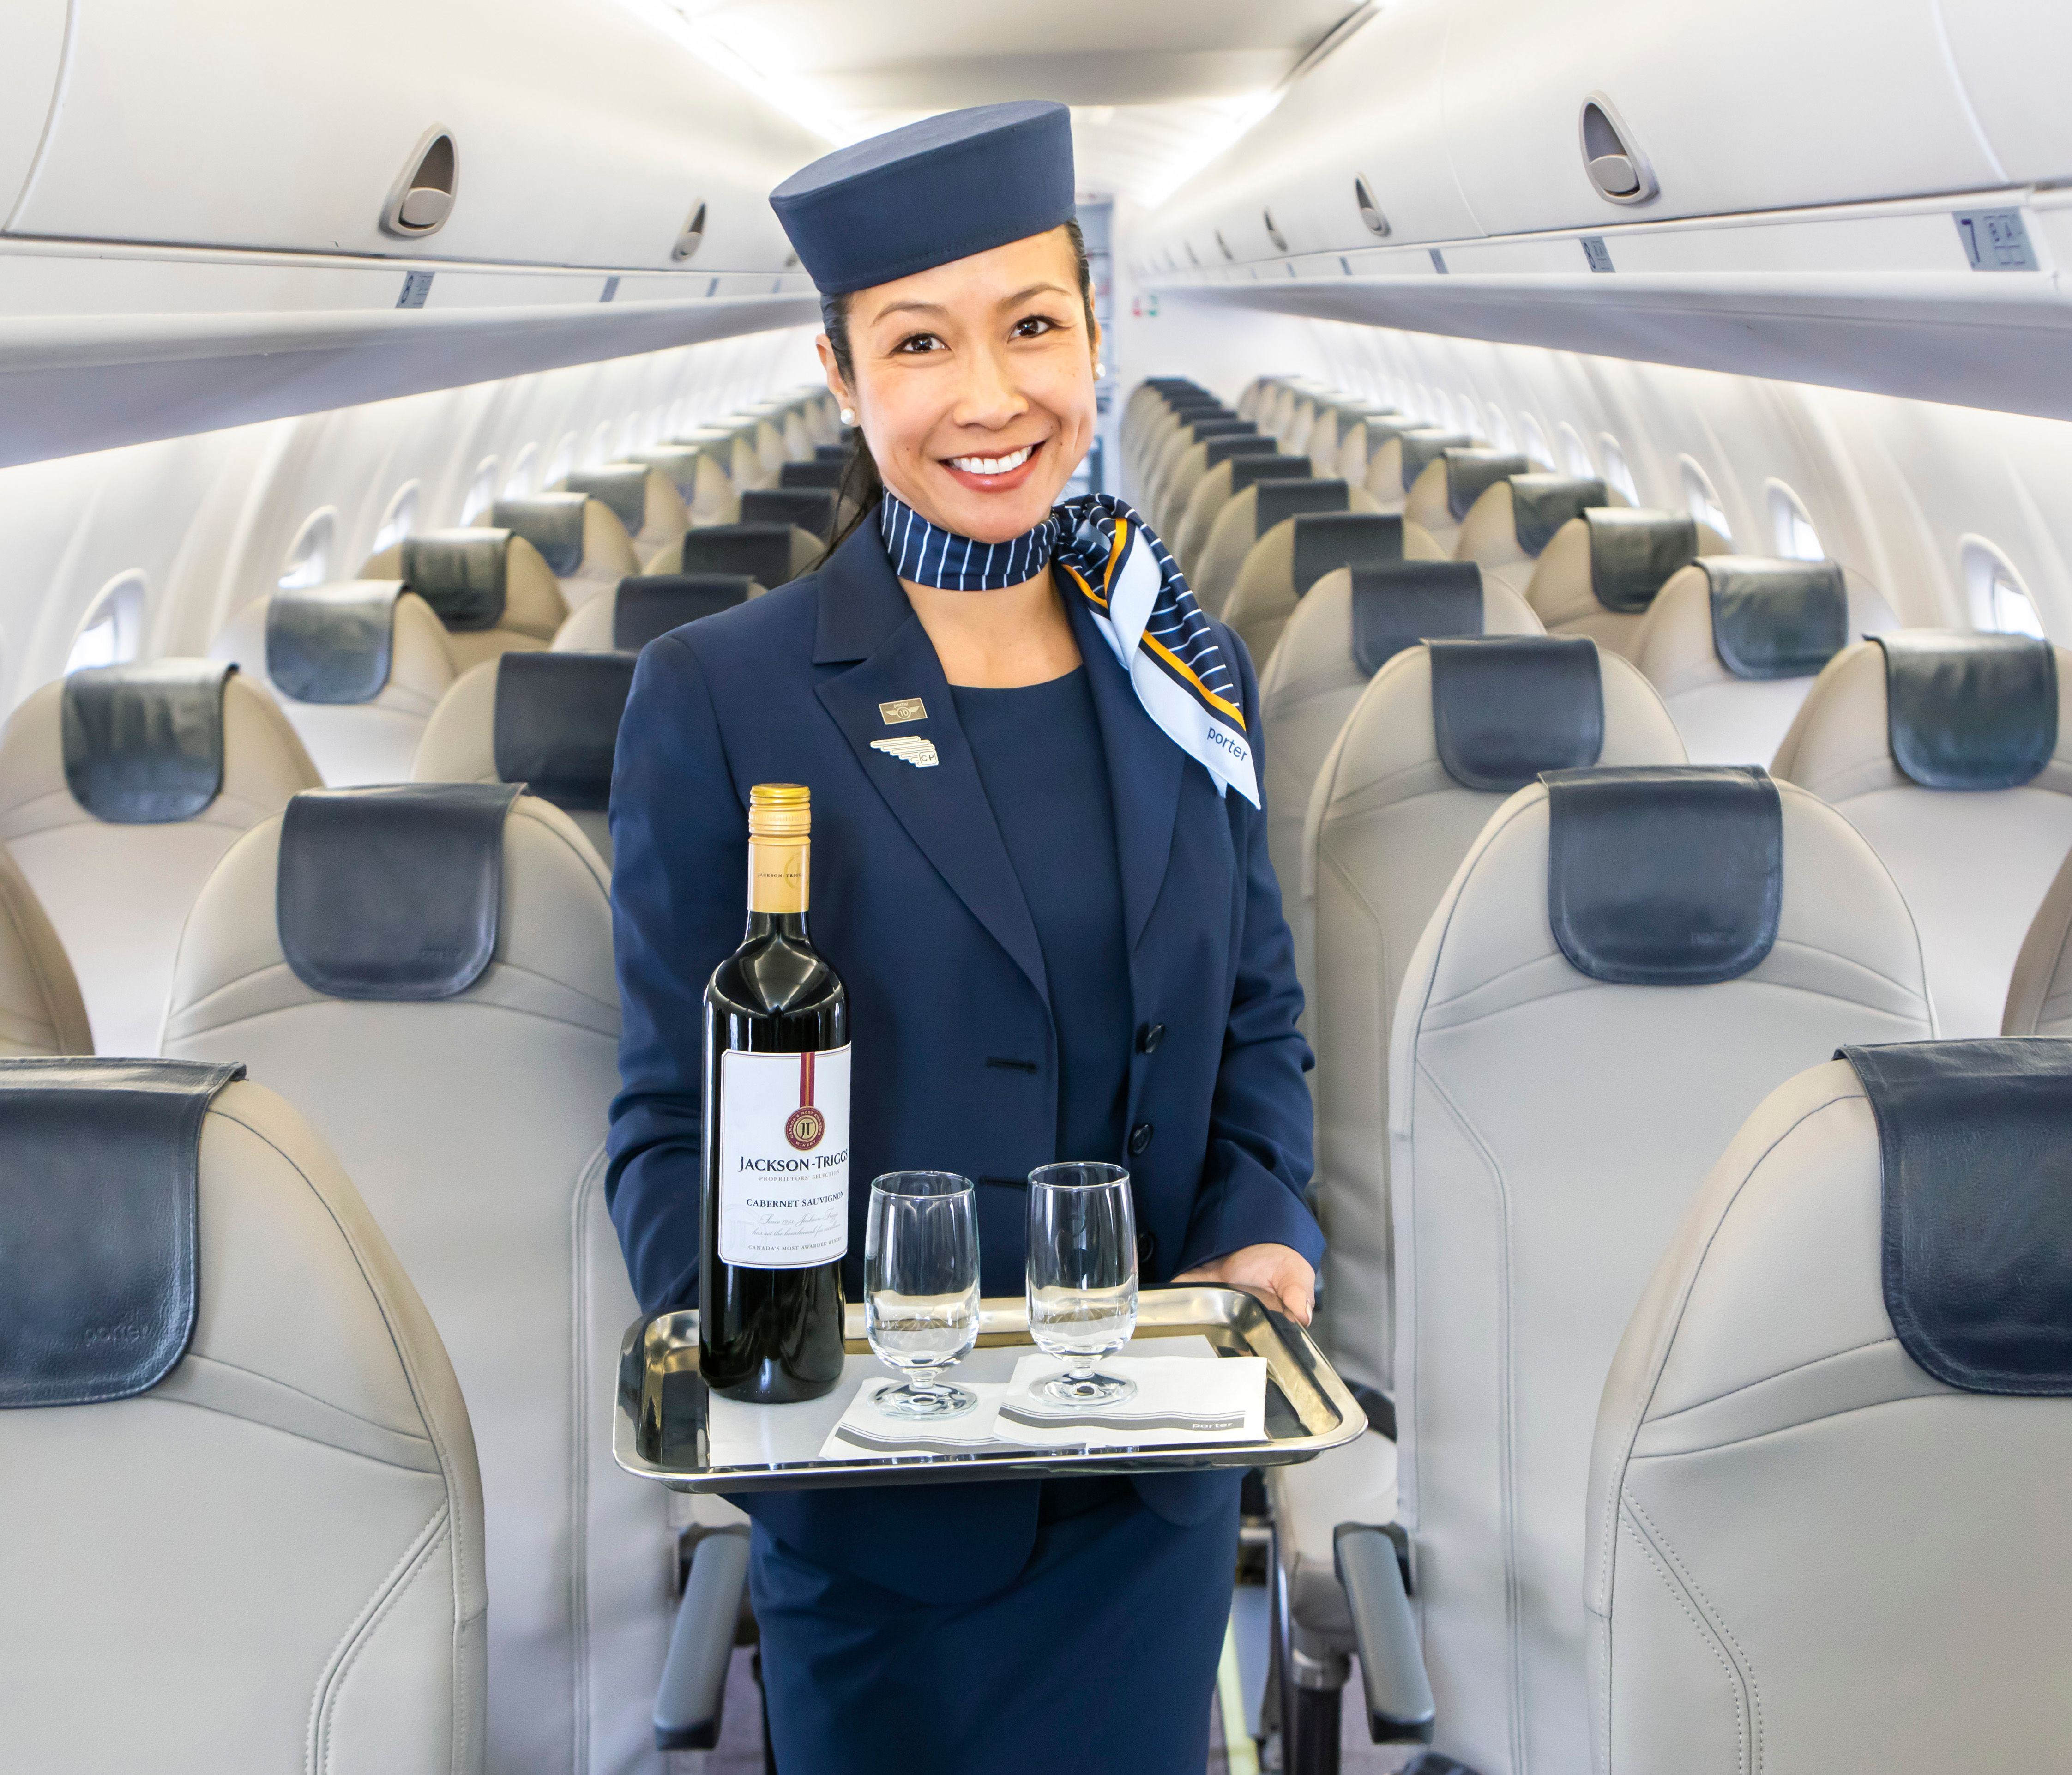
x: 852, y: 1665
x: 1001, y: 1626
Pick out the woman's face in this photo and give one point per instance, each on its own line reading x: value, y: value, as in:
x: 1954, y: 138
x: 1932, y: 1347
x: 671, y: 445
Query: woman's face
x: 974, y: 385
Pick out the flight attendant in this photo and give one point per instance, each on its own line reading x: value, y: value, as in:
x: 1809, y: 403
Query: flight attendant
x: 1051, y: 905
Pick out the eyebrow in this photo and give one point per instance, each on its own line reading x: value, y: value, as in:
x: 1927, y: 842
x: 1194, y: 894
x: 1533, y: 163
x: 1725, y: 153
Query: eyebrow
x: 937, y: 308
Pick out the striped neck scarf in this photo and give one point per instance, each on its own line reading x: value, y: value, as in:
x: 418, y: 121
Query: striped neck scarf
x: 1138, y: 599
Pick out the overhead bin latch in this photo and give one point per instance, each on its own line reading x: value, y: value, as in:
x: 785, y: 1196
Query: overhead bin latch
x: 692, y: 236
x: 1614, y: 161
x: 420, y: 201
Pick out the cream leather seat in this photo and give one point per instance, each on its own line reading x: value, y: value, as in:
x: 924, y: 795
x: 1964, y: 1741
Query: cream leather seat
x: 251, y: 1540
x: 1860, y: 1329
x: 581, y: 540
x: 1509, y: 526
x: 1394, y: 468
x: 547, y: 722
x: 1289, y: 558
x: 635, y: 611
x: 1182, y: 412
x: 765, y: 439
x: 1148, y: 399
x: 41, y: 1011
x: 1734, y: 642
x: 733, y: 449
x: 1446, y: 489
x: 1360, y: 437
x: 1222, y: 479
x: 770, y: 555
x: 1160, y: 479
x: 1349, y: 624
x: 808, y: 509
x: 1253, y: 514
x: 357, y: 668
x: 1599, y: 572
x: 427, y: 970
x: 1622, y: 968
x: 699, y: 473
x: 644, y: 499
x: 1952, y: 754
x: 120, y: 789
x: 2039, y: 1001
x: 492, y: 590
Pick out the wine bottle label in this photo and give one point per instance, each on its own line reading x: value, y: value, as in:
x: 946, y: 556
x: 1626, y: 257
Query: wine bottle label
x: 783, y: 1158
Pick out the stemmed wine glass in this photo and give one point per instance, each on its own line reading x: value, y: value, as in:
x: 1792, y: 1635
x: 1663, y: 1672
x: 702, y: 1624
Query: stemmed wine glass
x: 920, y: 1301
x: 1082, y: 1277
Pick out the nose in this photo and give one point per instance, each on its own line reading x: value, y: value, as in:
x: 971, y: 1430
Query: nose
x: 988, y: 397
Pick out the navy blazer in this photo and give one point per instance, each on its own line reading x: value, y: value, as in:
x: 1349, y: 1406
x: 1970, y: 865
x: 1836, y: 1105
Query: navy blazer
x: 914, y: 902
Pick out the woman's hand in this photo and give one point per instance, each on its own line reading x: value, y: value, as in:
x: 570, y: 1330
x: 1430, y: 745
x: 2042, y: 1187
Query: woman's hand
x: 1279, y: 1272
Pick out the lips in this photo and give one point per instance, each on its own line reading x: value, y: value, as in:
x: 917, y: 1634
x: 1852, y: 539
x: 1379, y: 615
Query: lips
x: 1000, y: 473
x: 993, y: 465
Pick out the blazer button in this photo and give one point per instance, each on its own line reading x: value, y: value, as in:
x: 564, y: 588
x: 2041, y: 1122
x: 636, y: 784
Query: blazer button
x: 1149, y: 1037
x: 1147, y: 1251
x: 1140, y: 1137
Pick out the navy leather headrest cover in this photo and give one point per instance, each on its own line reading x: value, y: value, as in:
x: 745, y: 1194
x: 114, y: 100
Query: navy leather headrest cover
x: 461, y: 574
x: 822, y: 471
x: 1249, y: 471
x: 651, y: 604
x: 809, y: 509
x: 1664, y: 876
x: 1974, y: 1151
x: 394, y: 892
x: 1970, y: 711
x: 1541, y: 504
x: 332, y: 643
x: 1201, y: 431
x: 834, y: 452
x: 1423, y: 447
x: 1633, y: 552
x: 1471, y: 473
x: 551, y: 522
x: 623, y: 489
x: 556, y: 723
x: 1506, y: 707
x: 1398, y: 603
x: 1240, y: 443
x: 763, y: 551
x: 1326, y: 541
x: 1281, y: 499
x: 1776, y: 619
x: 97, y: 1214
x: 143, y: 744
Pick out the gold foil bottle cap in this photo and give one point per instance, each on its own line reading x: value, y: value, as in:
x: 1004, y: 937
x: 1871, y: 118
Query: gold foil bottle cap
x: 780, y: 810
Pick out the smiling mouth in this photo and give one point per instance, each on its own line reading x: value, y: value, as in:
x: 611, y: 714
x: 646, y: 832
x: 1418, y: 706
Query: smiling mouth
x: 993, y: 465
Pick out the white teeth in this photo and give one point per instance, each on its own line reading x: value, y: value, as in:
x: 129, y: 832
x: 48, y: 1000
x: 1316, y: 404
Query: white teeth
x: 992, y: 465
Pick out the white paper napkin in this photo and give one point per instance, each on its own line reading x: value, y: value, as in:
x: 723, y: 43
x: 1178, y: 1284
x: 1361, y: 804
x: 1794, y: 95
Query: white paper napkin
x: 1177, y: 1400
x: 866, y: 1433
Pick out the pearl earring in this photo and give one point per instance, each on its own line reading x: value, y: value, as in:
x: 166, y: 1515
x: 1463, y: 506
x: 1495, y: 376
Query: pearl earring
x: 1100, y: 371
x: 849, y: 416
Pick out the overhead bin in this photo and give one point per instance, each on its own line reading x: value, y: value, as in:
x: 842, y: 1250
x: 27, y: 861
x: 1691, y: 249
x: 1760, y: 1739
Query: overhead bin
x: 573, y: 135
x: 28, y: 82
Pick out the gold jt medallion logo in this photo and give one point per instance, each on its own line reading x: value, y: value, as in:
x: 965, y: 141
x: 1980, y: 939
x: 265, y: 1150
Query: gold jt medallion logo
x: 805, y: 1127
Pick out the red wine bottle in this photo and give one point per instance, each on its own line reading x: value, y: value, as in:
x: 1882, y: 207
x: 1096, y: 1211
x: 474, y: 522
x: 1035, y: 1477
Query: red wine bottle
x: 776, y: 1134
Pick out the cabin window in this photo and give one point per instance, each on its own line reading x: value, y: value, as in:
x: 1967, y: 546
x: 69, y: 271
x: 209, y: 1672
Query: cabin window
x: 1532, y: 440
x: 1500, y: 433
x: 1617, y: 473
x: 481, y: 491
x: 113, y: 631
x: 2001, y: 603
x: 1701, y: 498
x: 307, y: 562
x: 1791, y: 531
x: 656, y: 424
x: 400, y: 519
x: 629, y: 436
x: 1575, y: 453
x: 599, y: 451
x: 563, y: 460
x: 519, y: 482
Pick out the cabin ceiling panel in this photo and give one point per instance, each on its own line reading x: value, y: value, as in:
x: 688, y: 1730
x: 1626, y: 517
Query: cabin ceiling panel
x: 35, y: 35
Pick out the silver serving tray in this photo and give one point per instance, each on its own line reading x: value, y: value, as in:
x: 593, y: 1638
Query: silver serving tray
x: 659, y: 1430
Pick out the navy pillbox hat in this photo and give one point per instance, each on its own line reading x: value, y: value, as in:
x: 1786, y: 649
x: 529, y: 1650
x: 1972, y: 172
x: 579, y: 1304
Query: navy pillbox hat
x: 941, y: 189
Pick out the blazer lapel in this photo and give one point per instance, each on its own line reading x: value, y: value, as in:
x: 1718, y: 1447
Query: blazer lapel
x: 1146, y: 770
x: 865, y: 617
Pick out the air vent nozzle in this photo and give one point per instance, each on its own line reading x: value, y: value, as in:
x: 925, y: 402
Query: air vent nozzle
x: 419, y: 202
x: 1222, y: 246
x: 1616, y: 168
x: 692, y: 235
x: 1280, y: 241
x: 1369, y: 212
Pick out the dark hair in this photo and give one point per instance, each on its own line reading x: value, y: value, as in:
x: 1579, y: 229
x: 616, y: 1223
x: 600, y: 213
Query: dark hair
x: 862, y: 489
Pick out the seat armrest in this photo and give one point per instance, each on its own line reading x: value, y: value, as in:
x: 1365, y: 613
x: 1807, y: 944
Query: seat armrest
x: 1374, y: 1566
x: 694, y: 1685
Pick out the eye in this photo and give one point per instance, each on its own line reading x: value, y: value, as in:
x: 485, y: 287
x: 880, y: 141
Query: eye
x: 1033, y: 327
x: 914, y: 344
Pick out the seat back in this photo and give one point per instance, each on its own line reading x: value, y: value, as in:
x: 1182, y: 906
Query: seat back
x: 733, y: 449
x: 1434, y: 744
x: 356, y: 668
x: 1291, y: 557
x: 1952, y: 754
x: 1861, y: 1328
x: 1508, y: 528
x: 121, y: 787
x: 1734, y: 642
x: 1447, y: 487
x: 1253, y: 512
x: 1175, y: 500
x: 492, y: 590
x: 548, y: 721
x: 1181, y: 412
x: 41, y: 1010
x: 257, y: 1526
x: 630, y: 615
x: 1361, y: 434
x: 581, y: 539
x: 427, y: 971
x: 644, y: 500
x: 699, y: 473
x: 1148, y: 399
x: 815, y: 471
x: 1599, y: 572
x: 808, y: 509
x: 1222, y: 478
x: 770, y: 555
x: 1623, y: 967
x: 1394, y: 468
x: 1159, y: 473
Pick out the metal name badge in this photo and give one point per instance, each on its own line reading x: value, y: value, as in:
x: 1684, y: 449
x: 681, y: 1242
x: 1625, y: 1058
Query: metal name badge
x: 911, y: 749
x: 906, y: 709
